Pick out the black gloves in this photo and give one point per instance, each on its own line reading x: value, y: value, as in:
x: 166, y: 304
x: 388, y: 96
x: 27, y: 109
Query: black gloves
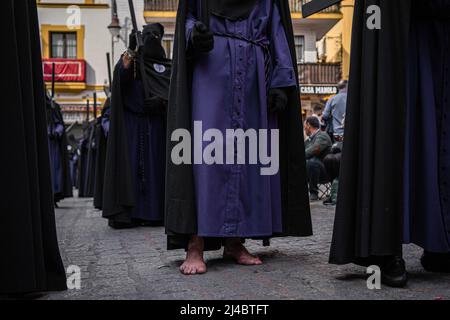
x: 155, y: 106
x: 202, y: 39
x: 278, y: 100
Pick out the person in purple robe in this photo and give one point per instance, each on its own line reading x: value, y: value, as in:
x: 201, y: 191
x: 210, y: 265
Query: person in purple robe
x: 86, y: 169
x: 394, y: 177
x: 58, y: 153
x: 427, y: 180
x: 72, y: 148
x: 133, y: 190
x: 234, y: 69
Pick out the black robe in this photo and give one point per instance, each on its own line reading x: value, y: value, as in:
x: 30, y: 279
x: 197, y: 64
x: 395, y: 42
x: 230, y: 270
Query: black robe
x: 181, y: 219
x: 101, y: 141
x: 30, y: 259
x: 119, y: 196
x: 87, y: 162
x: 370, y: 203
x: 66, y: 180
x: 389, y: 172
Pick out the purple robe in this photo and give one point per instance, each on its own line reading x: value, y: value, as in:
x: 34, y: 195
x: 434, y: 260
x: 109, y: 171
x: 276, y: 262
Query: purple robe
x: 229, y: 91
x: 146, y: 143
x: 427, y: 164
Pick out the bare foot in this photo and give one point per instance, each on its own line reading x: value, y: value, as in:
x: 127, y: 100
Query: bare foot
x: 236, y: 251
x: 194, y: 263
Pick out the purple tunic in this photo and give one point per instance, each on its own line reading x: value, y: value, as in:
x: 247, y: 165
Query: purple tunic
x: 106, y: 122
x: 229, y: 91
x: 146, y: 142
x: 427, y: 177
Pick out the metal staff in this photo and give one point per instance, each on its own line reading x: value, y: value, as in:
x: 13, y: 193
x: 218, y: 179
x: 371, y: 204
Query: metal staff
x: 53, y: 81
x: 88, y: 107
x: 138, y: 33
x: 140, y: 44
x: 95, y: 106
x: 315, y: 6
x: 204, y: 12
x: 108, y: 61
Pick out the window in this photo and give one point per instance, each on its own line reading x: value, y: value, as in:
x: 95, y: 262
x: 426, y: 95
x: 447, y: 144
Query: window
x: 300, y: 48
x: 63, y: 45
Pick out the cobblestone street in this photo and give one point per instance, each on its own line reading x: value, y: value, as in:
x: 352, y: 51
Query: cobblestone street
x: 133, y: 264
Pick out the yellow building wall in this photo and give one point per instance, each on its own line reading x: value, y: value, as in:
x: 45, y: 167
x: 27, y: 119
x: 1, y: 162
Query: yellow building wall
x: 337, y: 41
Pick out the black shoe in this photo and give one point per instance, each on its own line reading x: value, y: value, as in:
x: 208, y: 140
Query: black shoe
x: 121, y: 225
x: 151, y: 223
x: 436, y: 262
x: 26, y: 296
x: 313, y: 197
x: 329, y: 202
x: 393, y: 272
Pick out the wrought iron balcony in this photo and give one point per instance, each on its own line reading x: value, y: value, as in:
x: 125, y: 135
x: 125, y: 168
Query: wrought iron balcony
x: 320, y: 73
x: 161, y: 5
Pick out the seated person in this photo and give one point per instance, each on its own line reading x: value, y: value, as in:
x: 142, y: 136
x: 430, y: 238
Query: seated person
x: 317, y: 146
x: 332, y: 164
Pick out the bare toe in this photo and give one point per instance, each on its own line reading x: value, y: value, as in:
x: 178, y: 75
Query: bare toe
x: 241, y: 255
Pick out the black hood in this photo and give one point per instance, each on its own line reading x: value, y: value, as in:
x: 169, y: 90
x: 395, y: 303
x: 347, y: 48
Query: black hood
x: 152, y: 36
x: 156, y: 66
x: 232, y: 9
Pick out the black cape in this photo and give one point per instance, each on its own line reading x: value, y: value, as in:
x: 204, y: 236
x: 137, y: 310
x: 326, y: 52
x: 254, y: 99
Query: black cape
x: 181, y: 219
x: 118, y: 191
x: 370, y: 204
x: 86, y: 164
x: 67, y: 191
x: 101, y: 142
x: 30, y: 259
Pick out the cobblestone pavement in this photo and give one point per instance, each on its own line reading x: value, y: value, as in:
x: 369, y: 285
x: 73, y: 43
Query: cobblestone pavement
x: 133, y: 264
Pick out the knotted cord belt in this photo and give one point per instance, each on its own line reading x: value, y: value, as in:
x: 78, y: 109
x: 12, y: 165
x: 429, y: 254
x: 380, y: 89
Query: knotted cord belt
x: 262, y: 43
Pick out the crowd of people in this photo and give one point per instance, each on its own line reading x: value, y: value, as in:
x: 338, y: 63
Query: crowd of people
x: 324, y: 132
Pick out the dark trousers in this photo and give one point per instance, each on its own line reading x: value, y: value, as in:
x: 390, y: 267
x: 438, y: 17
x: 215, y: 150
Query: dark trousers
x: 316, y: 174
x: 332, y: 164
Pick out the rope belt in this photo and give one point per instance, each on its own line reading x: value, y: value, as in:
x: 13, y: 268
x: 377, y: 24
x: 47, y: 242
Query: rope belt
x: 261, y: 43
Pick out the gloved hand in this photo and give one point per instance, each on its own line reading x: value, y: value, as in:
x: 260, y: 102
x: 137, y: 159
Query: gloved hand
x: 201, y: 38
x: 278, y: 100
x: 52, y: 136
x: 155, y: 106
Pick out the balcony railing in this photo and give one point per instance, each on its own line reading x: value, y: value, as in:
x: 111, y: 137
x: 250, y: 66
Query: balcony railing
x: 172, y: 5
x: 320, y: 73
x: 161, y: 5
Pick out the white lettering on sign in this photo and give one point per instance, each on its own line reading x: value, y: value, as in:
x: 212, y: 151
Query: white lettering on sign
x: 322, y: 90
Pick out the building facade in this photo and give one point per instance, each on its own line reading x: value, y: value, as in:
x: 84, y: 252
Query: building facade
x: 76, y: 38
